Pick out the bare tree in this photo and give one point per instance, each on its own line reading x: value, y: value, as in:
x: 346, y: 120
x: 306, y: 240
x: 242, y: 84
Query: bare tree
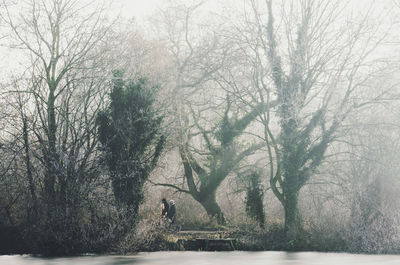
x: 64, y: 87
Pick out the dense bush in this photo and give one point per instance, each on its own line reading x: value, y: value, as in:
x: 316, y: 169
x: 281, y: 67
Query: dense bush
x: 130, y: 134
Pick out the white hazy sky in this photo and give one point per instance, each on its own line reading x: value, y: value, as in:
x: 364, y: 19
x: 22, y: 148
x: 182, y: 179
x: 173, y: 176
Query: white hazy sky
x: 142, y: 8
x: 139, y: 8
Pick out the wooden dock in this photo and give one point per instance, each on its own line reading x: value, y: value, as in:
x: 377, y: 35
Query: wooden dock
x: 201, y: 241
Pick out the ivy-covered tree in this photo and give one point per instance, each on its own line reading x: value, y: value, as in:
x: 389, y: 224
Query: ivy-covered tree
x: 315, y: 70
x: 131, y: 135
x: 254, y: 199
x: 206, y: 167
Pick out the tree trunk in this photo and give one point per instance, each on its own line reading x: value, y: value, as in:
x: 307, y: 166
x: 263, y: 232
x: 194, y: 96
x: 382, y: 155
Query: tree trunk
x: 210, y: 204
x: 51, y: 156
x: 29, y: 168
x: 292, y: 216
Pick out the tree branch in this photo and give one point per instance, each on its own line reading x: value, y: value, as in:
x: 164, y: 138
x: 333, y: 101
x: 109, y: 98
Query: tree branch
x: 170, y: 186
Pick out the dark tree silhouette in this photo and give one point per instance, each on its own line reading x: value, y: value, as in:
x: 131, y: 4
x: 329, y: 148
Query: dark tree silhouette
x: 130, y: 132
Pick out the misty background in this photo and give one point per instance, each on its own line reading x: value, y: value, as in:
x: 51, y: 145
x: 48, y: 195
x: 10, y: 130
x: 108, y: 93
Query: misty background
x: 257, y: 116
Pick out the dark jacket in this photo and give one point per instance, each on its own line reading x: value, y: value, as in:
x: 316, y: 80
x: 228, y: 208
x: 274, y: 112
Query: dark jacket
x: 165, y: 209
x: 171, y: 211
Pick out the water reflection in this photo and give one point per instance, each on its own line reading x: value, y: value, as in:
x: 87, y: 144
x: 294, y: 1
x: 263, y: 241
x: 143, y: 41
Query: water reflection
x: 205, y: 258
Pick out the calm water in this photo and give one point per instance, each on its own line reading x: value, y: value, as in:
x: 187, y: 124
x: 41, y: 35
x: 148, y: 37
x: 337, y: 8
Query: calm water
x: 221, y: 258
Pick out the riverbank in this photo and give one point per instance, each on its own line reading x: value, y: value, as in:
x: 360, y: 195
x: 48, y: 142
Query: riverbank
x: 152, y: 238
x: 252, y: 239
x: 233, y: 239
